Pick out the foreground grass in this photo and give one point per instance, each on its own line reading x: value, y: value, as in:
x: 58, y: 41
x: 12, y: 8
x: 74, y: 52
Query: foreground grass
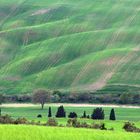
x: 11, y: 132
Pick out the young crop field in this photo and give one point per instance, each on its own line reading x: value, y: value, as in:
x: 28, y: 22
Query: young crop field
x: 70, y: 45
x: 11, y: 132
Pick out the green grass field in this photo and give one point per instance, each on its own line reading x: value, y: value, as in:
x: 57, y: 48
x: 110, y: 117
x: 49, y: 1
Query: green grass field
x: 48, y: 133
x: 122, y: 114
x: 32, y: 112
x: 27, y: 132
x: 69, y: 45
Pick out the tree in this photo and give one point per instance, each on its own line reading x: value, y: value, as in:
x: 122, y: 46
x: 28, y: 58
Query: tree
x: 72, y: 115
x: 1, y: 101
x: 126, y: 98
x: 82, y: 97
x: 84, y: 115
x: 112, y: 115
x: 49, y: 113
x: 98, y: 114
x: 61, y: 112
x: 41, y: 96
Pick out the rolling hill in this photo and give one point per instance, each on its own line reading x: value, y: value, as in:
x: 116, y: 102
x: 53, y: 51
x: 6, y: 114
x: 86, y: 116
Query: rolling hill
x: 70, y: 45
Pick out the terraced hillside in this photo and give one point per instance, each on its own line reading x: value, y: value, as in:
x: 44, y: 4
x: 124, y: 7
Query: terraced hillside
x: 75, y: 45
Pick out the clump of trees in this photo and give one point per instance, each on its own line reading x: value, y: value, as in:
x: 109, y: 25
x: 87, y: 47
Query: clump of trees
x: 60, y: 112
x: 87, y: 97
x: 98, y: 114
x: 41, y: 96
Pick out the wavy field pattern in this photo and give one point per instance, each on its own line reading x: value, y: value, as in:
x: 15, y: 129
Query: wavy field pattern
x: 70, y: 45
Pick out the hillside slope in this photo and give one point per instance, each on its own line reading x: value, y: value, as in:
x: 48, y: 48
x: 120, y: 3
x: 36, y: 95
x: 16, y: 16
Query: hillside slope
x: 74, y: 45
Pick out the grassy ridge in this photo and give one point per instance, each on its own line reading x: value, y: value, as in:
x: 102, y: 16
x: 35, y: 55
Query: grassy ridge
x: 69, y: 45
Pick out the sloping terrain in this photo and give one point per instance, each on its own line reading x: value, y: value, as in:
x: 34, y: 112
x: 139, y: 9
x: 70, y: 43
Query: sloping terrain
x: 75, y: 45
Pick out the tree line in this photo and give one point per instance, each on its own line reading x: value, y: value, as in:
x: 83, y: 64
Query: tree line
x: 97, y: 114
x: 86, y: 97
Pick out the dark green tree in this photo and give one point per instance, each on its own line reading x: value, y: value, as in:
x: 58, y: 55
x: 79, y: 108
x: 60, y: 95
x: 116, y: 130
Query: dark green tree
x: 72, y: 115
x: 1, y: 101
x: 98, y: 114
x: 112, y: 115
x: 50, y: 112
x: 84, y: 114
x: 61, y: 112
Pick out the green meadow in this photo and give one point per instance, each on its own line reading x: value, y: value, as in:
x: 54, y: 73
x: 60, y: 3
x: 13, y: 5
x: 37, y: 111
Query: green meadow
x: 27, y: 132
x: 31, y: 113
x: 70, y: 45
x: 9, y: 132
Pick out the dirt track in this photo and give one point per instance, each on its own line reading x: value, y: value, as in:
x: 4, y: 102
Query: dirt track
x: 71, y: 105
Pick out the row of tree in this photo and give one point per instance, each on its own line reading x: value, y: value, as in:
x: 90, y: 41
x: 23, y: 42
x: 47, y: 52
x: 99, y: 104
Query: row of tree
x: 97, y: 114
x: 57, y: 96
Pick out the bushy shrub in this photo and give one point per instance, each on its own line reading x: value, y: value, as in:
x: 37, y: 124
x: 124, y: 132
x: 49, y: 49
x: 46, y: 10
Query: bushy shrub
x: 21, y: 121
x: 100, y: 126
x: 32, y: 122
x: 39, y: 116
x: 61, y: 125
x: 130, y: 127
x: 72, y: 115
x: 6, y: 119
x: 75, y: 123
x: 84, y: 125
x: 52, y: 122
x: 111, y: 129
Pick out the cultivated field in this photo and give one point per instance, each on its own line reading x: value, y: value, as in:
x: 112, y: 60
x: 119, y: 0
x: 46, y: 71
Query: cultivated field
x: 69, y: 48
x: 70, y: 45
x: 11, y: 132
